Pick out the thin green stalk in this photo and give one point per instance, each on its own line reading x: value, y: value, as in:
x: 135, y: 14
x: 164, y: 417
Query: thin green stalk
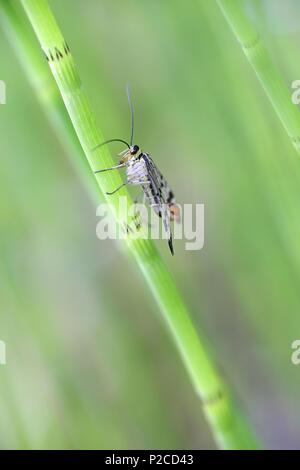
x: 268, y: 74
x: 229, y: 428
x: 21, y: 38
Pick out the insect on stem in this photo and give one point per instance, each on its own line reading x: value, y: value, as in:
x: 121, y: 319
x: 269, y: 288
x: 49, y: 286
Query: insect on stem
x: 142, y: 171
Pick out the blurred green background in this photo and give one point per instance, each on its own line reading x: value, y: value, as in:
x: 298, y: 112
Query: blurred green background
x: 89, y: 361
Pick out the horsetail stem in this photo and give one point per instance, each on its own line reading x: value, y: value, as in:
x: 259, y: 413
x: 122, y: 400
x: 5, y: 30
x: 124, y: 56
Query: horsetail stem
x: 266, y: 71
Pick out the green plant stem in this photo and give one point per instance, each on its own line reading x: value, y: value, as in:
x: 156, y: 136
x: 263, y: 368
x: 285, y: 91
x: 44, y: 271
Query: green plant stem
x: 268, y: 74
x: 21, y: 38
x: 229, y: 428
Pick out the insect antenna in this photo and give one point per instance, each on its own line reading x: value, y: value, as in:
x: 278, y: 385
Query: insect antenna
x: 132, y: 126
x: 112, y: 140
x: 131, y: 113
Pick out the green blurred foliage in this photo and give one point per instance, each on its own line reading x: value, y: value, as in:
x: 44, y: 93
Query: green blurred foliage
x: 89, y: 362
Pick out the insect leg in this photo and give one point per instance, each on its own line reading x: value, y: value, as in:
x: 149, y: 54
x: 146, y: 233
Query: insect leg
x: 141, y: 194
x: 116, y: 167
x: 137, y: 215
x: 117, y: 189
x: 139, y: 182
x: 124, y: 184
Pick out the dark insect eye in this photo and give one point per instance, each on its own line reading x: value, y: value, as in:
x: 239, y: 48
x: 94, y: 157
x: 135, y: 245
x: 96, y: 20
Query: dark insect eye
x: 134, y: 149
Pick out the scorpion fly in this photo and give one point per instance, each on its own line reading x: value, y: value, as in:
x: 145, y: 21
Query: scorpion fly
x: 142, y: 171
